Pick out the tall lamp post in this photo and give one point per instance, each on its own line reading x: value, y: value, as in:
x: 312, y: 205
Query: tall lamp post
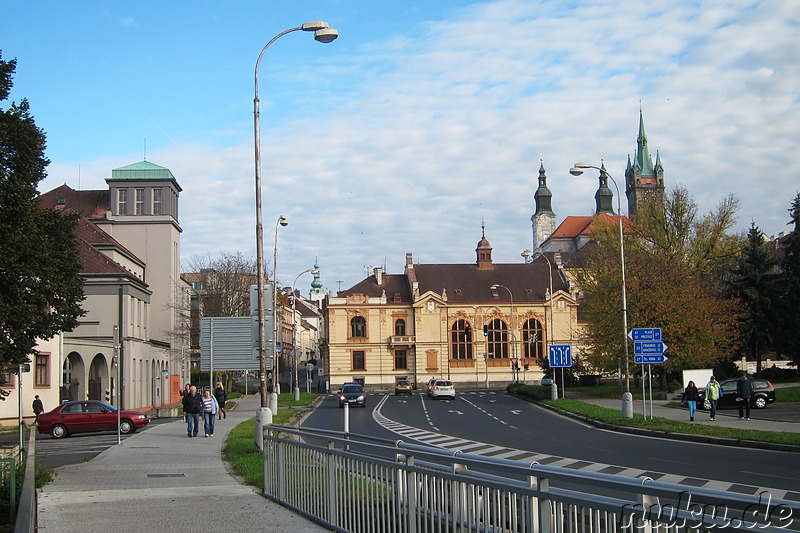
x: 323, y: 34
x: 294, y: 331
x: 627, y: 397
x: 551, y: 340
x: 511, y: 328
x: 282, y: 221
x: 485, y: 342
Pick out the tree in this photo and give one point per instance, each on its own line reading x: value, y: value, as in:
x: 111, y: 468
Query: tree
x: 226, y: 283
x: 755, y: 282
x: 674, y: 262
x: 40, y: 285
x: 788, y: 338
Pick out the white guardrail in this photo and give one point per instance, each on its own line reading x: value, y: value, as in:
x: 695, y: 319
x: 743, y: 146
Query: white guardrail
x: 361, y: 484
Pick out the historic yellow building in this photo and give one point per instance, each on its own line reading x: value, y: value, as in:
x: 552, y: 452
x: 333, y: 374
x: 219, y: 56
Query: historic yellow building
x: 475, y: 324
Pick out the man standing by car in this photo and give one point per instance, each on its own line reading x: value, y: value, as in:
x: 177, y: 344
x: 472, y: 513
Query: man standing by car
x: 744, y: 393
x: 192, y: 407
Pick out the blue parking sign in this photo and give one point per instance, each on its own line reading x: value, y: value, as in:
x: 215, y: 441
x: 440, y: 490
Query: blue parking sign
x: 560, y: 355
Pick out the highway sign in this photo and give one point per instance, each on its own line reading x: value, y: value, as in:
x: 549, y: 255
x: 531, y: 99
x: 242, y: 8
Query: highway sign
x: 560, y: 355
x: 650, y: 359
x: 645, y: 334
x: 649, y: 348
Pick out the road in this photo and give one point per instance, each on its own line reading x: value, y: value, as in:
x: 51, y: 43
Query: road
x: 494, y: 423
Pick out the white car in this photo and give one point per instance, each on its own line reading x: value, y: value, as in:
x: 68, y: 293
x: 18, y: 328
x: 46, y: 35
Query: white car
x: 443, y: 388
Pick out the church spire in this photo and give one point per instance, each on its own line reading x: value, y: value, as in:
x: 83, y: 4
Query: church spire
x: 642, y: 178
x: 604, y: 197
x: 543, y: 220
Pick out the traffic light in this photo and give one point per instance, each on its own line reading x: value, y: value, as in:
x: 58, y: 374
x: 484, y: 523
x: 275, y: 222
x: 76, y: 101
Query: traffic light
x: 486, y: 330
x: 467, y: 328
x: 527, y: 367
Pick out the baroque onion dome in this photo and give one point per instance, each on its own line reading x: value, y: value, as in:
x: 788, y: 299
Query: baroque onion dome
x: 543, y: 221
x: 484, y: 251
x: 604, y: 197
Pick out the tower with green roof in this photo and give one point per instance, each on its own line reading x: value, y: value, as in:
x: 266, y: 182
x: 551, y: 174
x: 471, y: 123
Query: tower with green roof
x: 643, y: 179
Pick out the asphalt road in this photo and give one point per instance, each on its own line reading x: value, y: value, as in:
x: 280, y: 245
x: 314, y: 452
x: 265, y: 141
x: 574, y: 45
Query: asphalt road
x: 502, y: 420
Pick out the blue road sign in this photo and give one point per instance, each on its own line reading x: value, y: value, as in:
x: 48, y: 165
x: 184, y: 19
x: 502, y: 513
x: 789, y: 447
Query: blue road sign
x: 645, y: 334
x: 649, y: 348
x: 560, y: 355
x: 650, y: 359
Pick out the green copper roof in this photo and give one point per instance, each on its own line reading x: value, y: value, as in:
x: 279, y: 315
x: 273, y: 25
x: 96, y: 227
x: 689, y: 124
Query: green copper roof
x: 143, y: 170
x: 642, y: 158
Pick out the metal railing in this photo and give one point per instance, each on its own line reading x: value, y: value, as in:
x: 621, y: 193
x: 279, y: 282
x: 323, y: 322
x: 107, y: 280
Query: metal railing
x: 356, y: 483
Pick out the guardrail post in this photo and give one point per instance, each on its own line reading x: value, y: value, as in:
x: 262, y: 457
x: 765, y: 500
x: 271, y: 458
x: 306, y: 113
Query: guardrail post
x: 411, y: 496
x: 545, y: 522
x: 333, y: 496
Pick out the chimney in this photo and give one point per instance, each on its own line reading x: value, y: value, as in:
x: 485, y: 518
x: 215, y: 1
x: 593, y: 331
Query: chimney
x: 378, y: 275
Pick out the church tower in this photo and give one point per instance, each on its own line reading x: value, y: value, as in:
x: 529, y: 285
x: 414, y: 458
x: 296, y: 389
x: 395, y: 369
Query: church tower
x: 604, y: 197
x: 543, y: 219
x: 643, y: 180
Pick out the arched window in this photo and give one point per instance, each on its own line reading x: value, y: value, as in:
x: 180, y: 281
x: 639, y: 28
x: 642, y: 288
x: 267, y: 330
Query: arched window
x: 461, y: 340
x: 358, y: 326
x: 399, y: 327
x: 533, y: 340
x: 497, y: 339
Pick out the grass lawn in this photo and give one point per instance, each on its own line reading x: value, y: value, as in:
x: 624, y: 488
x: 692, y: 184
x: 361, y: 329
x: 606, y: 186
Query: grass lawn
x: 240, y: 451
x: 612, y: 416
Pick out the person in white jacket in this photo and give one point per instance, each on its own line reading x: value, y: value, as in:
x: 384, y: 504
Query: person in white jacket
x: 210, y: 408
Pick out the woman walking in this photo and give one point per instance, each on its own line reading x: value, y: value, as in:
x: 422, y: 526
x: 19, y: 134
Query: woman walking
x: 713, y: 392
x: 222, y: 397
x: 210, y: 408
x: 690, y: 397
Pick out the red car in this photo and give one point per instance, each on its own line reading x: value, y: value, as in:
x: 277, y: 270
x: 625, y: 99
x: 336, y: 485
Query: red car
x: 87, y: 416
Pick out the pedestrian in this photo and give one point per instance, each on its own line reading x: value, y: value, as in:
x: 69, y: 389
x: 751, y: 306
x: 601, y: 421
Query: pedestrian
x: 192, y: 407
x: 184, y: 392
x: 713, y: 393
x: 222, y: 396
x: 690, y: 397
x: 38, y: 408
x: 744, y: 393
x: 210, y: 408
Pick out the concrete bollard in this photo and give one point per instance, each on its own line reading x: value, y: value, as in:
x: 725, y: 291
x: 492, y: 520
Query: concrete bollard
x: 263, y: 418
x: 627, y: 405
x: 553, y: 391
x: 273, y: 403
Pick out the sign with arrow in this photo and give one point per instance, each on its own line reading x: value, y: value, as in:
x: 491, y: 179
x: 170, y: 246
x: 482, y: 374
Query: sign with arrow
x: 645, y: 334
x: 649, y: 348
x: 560, y: 355
x: 650, y: 359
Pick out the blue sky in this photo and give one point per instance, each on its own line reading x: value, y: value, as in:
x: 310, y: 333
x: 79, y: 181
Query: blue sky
x: 421, y: 120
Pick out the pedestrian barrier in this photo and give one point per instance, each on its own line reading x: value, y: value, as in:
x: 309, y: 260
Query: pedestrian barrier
x: 362, y: 484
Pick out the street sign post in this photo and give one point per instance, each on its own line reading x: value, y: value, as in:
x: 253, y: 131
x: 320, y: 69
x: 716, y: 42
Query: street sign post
x: 645, y: 334
x: 657, y: 359
x: 649, y: 348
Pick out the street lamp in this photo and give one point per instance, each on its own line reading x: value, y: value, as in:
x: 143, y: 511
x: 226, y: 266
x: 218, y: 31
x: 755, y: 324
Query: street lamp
x: 294, y: 330
x: 511, y: 328
x: 485, y: 343
x: 539, y: 253
x: 627, y: 397
x: 323, y: 34
x: 282, y: 221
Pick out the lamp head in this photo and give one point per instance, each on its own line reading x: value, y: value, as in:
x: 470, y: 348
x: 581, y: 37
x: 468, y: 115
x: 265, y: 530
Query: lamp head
x: 494, y: 287
x: 314, y: 25
x: 326, y: 35
x: 575, y: 171
x: 283, y: 221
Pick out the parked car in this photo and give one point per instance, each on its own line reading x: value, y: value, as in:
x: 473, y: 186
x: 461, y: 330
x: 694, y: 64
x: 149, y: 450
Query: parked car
x: 443, y: 388
x: 352, y: 394
x: 763, y: 394
x: 546, y: 381
x: 430, y: 385
x: 88, y: 416
x: 403, y: 387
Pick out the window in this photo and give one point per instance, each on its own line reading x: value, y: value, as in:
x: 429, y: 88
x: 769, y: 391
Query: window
x: 6, y: 379
x: 399, y: 327
x: 156, y: 201
x: 139, y: 201
x: 41, y: 377
x: 461, y: 340
x: 497, y: 340
x: 358, y: 327
x: 400, y: 360
x: 533, y: 340
x: 359, y: 360
x: 122, y: 201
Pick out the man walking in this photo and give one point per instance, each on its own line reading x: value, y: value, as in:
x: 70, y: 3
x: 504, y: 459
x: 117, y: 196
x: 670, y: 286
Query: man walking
x: 744, y: 393
x: 38, y: 408
x: 192, y: 407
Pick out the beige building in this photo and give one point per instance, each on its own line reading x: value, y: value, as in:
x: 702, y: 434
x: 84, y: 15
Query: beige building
x: 471, y: 323
x: 129, y: 240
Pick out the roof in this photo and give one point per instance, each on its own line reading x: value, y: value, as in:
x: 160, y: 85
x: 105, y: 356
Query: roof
x: 573, y: 226
x: 89, y: 204
x: 465, y: 283
x: 94, y: 261
x: 142, y: 171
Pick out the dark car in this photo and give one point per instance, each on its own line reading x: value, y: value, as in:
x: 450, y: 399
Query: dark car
x: 88, y: 416
x: 763, y: 394
x: 352, y: 394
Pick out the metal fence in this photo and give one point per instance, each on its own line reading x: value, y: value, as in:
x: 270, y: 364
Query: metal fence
x: 356, y: 483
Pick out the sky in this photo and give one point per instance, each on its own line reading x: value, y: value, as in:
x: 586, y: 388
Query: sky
x: 421, y: 121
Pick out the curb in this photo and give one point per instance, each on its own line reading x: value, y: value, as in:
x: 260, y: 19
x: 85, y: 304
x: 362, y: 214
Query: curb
x: 704, y: 439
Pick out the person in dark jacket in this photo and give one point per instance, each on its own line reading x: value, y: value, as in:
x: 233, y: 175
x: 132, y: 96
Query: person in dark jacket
x: 690, y: 397
x: 192, y: 408
x: 744, y: 393
x: 38, y: 408
x: 222, y: 396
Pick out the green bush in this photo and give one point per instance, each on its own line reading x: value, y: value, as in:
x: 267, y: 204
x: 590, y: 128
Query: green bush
x: 530, y: 392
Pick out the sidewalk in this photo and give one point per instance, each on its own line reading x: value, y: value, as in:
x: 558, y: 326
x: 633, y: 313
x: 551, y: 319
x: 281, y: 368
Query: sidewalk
x: 161, y: 480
